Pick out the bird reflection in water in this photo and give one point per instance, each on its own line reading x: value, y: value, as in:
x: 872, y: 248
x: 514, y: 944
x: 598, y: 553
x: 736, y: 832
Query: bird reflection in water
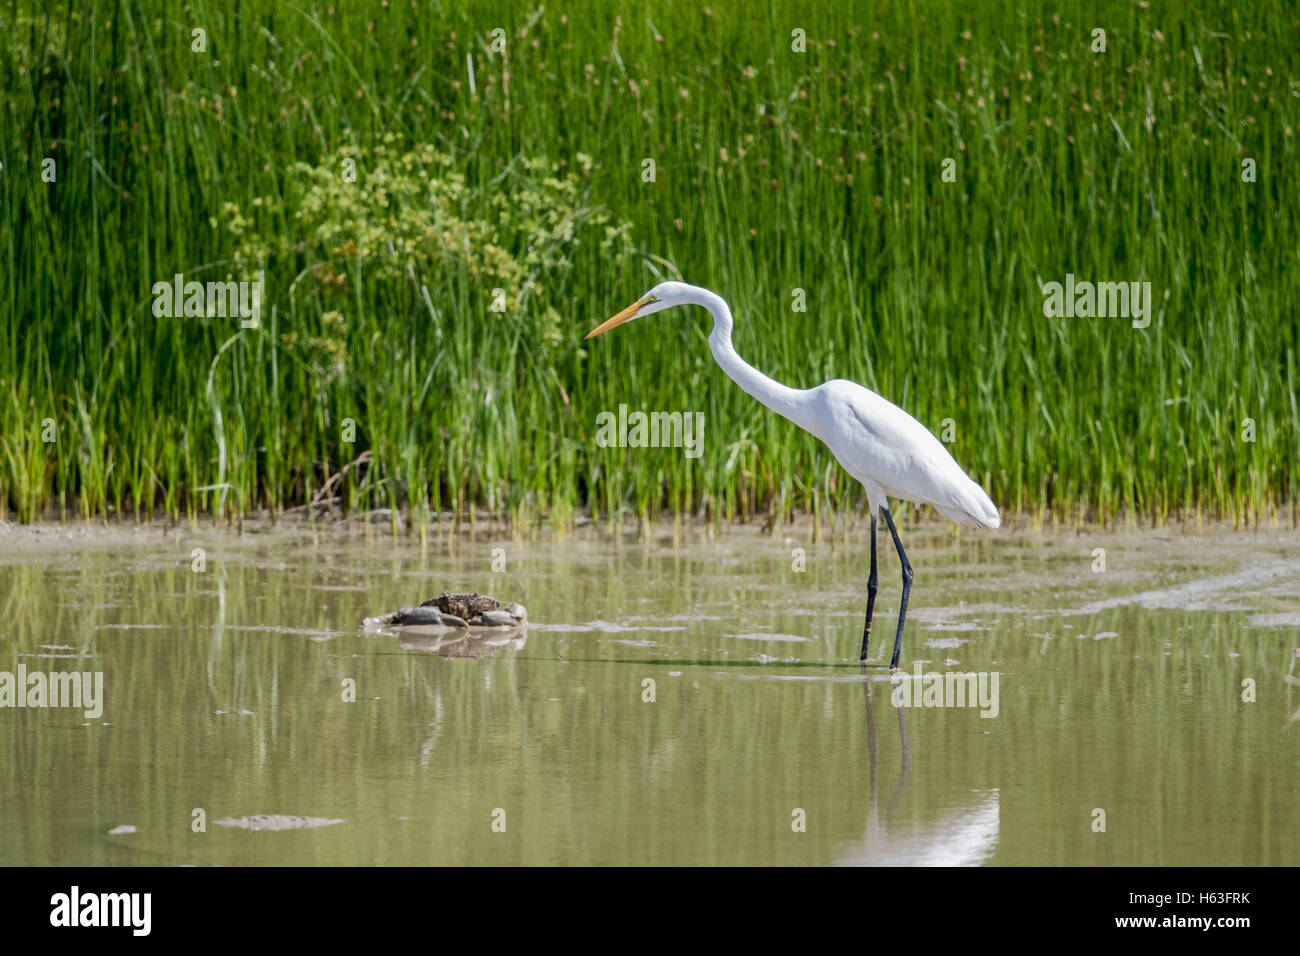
x: 966, y: 836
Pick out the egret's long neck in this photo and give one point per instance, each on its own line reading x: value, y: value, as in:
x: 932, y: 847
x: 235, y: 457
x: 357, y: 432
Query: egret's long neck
x: 791, y: 403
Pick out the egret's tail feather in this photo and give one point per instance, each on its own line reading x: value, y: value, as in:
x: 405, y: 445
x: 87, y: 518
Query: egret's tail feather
x: 975, y: 509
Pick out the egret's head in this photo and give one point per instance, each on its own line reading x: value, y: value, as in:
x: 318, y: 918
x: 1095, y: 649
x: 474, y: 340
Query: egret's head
x: 663, y: 296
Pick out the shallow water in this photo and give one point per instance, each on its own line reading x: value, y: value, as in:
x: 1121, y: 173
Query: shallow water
x: 1118, y: 691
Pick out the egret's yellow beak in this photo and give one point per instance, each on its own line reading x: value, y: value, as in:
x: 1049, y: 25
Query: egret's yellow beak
x: 624, y: 316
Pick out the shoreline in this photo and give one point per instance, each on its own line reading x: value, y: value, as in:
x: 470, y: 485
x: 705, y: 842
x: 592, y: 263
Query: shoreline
x: 53, y: 533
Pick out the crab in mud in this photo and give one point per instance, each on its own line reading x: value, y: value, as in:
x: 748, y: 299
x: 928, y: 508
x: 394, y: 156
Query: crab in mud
x: 456, y: 625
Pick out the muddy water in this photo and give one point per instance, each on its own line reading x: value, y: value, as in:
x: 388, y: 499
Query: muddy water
x: 1120, y: 692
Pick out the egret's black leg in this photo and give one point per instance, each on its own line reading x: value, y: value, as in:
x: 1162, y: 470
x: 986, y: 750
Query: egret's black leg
x: 871, y: 591
x: 907, y: 587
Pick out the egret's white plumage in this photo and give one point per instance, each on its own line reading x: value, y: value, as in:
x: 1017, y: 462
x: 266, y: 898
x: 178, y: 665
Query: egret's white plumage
x: 886, y: 449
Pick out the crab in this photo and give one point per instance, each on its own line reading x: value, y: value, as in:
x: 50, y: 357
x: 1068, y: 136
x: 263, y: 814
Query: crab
x: 461, y: 610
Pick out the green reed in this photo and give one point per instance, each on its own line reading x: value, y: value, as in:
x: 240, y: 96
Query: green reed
x: 775, y: 171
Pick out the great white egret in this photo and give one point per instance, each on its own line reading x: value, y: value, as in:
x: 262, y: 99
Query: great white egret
x: 875, y: 441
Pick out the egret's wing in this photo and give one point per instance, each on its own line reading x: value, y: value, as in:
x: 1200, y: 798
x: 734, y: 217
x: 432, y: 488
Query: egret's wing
x: 878, y: 442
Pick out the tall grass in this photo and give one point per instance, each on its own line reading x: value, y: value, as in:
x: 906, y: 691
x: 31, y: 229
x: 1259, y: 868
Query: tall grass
x: 775, y: 171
